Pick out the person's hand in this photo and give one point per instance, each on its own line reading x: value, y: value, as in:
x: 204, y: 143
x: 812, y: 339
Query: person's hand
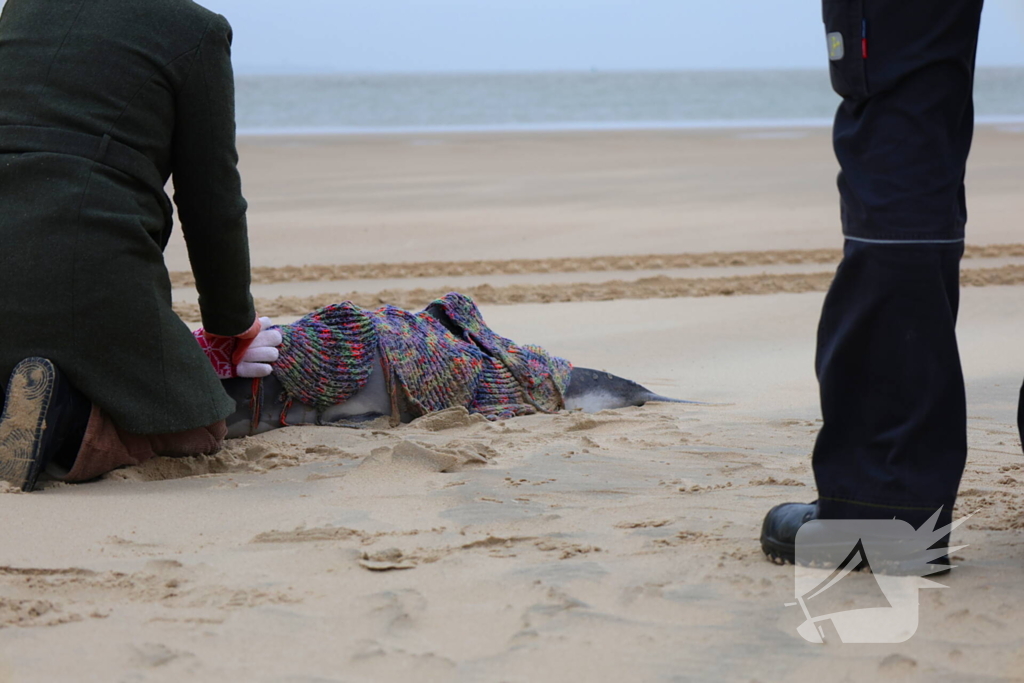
x: 245, y: 355
x: 262, y: 352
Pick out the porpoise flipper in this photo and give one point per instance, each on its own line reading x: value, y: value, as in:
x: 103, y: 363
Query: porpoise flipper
x: 593, y: 390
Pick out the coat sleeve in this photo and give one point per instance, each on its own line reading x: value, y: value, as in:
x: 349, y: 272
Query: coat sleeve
x: 207, y: 187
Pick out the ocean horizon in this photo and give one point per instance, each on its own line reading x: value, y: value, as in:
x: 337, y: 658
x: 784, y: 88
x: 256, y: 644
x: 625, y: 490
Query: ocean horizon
x: 362, y: 104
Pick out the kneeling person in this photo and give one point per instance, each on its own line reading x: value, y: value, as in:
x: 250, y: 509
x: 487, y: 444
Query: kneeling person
x: 100, y: 103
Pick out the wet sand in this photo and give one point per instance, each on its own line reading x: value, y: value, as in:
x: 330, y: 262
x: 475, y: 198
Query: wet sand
x: 468, y: 197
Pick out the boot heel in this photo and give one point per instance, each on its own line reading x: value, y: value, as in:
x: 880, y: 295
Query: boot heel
x: 23, y: 423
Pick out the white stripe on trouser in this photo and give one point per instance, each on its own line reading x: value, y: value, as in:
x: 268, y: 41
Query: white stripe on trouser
x: 866, y: 240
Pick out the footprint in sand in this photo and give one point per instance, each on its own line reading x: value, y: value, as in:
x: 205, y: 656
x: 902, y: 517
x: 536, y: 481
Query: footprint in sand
x: 897, y: 664
x: 772, y: 481
x: 153, y: 655
x: 31, y: 613
x: 391, y: 611
x: 649, y: 524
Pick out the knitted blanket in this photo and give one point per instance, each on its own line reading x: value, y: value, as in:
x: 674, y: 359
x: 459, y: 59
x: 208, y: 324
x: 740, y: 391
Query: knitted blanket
x: 327, y: 357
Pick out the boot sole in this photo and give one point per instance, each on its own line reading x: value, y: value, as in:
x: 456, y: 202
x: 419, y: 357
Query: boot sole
x: 785, y: 553
x: 777, y: 551
x: 23, y: 422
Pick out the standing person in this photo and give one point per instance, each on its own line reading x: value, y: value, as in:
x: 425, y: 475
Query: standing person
x: 100, y: 102
x: 893, y: 443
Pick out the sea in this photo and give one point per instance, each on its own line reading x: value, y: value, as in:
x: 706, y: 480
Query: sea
x: 553, y: 101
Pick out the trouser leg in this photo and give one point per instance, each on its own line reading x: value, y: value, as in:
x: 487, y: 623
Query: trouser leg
x: 106, y: 447
x: 894, y: 437
x: 893, y: 442
x: 1020, y: 414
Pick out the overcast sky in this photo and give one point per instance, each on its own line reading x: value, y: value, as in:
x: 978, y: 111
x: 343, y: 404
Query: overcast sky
x: 485, y: 35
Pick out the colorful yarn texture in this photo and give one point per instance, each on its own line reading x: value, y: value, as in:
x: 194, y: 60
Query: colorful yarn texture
x: 327, y: 356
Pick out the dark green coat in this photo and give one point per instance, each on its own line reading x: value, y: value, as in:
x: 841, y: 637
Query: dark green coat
x: 83, y: 218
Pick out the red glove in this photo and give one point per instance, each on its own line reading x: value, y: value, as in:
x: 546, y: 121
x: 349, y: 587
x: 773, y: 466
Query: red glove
x: 225, y: 353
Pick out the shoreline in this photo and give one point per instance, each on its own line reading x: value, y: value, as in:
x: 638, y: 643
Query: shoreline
x: 709, y: 125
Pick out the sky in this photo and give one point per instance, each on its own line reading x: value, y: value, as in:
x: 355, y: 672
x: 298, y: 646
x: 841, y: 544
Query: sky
x: 528, y: 35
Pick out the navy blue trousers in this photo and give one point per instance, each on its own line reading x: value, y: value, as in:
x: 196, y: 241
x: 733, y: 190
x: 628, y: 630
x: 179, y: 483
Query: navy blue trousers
x: 894, y: 438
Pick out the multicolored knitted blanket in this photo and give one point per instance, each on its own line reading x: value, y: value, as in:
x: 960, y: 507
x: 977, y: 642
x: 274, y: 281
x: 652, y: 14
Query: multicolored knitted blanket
x: 327, y: 357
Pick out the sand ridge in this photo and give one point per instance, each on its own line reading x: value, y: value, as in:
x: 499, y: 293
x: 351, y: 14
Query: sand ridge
x: 661, y: 287
x: 371, y: 271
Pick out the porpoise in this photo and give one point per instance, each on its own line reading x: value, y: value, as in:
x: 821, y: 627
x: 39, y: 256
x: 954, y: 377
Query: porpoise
x: 589, y: 391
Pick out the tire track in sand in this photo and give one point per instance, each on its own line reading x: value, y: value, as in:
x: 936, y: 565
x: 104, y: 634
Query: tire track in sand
x: 380, y: 271
x: 648, y: 288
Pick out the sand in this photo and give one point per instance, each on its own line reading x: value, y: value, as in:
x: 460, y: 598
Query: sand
x: 607, y: 547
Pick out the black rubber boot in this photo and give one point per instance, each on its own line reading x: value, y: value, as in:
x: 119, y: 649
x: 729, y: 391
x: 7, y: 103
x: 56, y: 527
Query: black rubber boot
x: 778, y: 532
x: 778, y: 541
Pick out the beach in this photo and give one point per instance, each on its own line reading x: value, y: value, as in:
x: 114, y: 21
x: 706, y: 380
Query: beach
x: 620, y: 545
